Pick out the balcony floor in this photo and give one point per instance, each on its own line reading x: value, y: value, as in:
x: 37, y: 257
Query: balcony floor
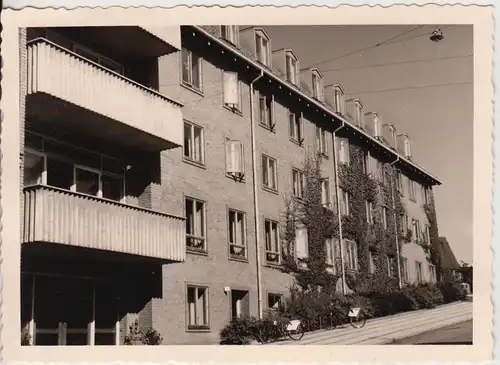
x: 45, y: 111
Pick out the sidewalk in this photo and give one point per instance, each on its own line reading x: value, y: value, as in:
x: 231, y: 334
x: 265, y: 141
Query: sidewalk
x: 380, y: 331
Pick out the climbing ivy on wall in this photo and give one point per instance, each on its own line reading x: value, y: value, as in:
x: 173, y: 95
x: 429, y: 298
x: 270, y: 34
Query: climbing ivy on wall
x: 434, y: 249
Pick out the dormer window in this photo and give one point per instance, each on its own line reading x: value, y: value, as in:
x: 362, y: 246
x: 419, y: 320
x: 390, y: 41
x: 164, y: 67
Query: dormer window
x: 317, y: 85
x: 407, y: 146
x: 358, y: 109
x: 376, y: 126
x: 262, y: 49
x: 230, y: 33
x: 339, y: 99
x: 292, y: 68
x: 392, y: 132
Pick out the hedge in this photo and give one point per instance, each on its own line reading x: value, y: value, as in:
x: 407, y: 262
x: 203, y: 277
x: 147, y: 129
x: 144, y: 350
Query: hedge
x: 311, y: 307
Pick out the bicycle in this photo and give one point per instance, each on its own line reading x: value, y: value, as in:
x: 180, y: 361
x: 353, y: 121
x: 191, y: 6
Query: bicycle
x: 280, y: 329
x: 353, y: 315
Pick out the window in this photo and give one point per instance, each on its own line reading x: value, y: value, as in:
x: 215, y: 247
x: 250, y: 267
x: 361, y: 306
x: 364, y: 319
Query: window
x: 416, y: 230
x: 330, y: 255
x: 35, y: 167
x: 191, y: 69
x: 411, y: 189
x: 399, y: 181
x: 87, y: 181
x: 392, y: 132
x: 366, y: 163
x: 325, y: 192
x: 266, y: 111
x: 371, y: 262
x: 385, y: 217
x: 407, y: 146
x: 269, y: 173
x: 262, y: 48
x: 351, y: 253
x: 343, y: 150
x: 296, y: 132
x: 292, y: 71
x: 321, y: 145
x: 193, y: 143
x: 432, y: 273
x: 380, y: 172
x: 233, y: 96
x: 274, y: 301
x: 299, y: 183
x: 376, y: 125
x: 301, y: 243
x: 344, y: 202
x: 235, y: 165
x: 390, y: 266
x: 339, y: 100
x: 418, y: 269
x: 369, y: 212
x: 237, y: 235
x: 195, y: 225
x: 317, y: 87
x: 230, y: 33
x: 427, y: 237
x: 403, y: 223
x: 197, y: 301
x: 406, y: 270
x: 273, y: 253
x: 425, y: 195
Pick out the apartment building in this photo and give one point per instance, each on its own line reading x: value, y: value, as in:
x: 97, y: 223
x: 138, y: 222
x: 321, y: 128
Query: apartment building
x: 154, y: 167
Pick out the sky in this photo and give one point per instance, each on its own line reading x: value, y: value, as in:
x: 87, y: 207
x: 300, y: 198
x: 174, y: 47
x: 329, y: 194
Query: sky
x: 422, y: 87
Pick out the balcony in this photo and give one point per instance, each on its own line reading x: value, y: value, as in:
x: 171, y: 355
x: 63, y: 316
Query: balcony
x: 53, y: 215
x: 67, y: 90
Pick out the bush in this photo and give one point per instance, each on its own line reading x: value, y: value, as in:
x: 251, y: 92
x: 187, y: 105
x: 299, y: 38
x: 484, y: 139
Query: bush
x: 243, y: 331
x: 451, y: 291
x: 427, y: 296
x: 137, y: 337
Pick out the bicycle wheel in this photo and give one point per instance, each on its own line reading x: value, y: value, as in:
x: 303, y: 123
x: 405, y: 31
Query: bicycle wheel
x: 331, y: 322
x: 359, y: 321
x: 296, y: 334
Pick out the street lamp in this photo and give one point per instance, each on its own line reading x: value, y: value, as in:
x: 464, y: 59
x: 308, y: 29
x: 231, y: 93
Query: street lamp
x: 437, y: 35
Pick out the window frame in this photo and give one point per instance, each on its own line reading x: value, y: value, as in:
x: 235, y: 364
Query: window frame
x: 280, y: 301
x: 206, y: 302
x: 230, y: 33
x: 345, y: 198
x: 192, y: 126
x: 418, y: 272
x: 325, y: 182
x: 262, y: 41
x: 238, y: 108
x: 194, y: 201
x: 43, y: 177
x: 244, y: 238
x: 189, y: 83
x: 236, y: 177
x: 406, y: 269
x: 321, y: 141
x: 296, y: 128
x: 369, y: 210
x: 268, y: 112
x: 292, y: 68
x: 317, y: 85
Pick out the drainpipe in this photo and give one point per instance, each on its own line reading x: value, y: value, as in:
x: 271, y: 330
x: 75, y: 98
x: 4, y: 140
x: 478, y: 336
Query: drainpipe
x: 256, y: 197
x: 339, y: 214
x: 400, y: 284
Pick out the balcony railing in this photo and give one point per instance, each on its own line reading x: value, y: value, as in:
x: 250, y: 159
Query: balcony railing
x: 59, y: 216
x: 63, y: 74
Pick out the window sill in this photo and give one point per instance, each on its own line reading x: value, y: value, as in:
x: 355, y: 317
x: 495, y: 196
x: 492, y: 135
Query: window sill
x: 194, y: 251
x: 235, y: 179
x: 202, y: 329
x: 324, y: 155
x: 194, y: 163
x: 265, y: 126
x: 233, y: 110
x: 192, y: 88
x: 270, y: 190
x: 294, y: 141
x: 272, y: 265
x: 243, y: 260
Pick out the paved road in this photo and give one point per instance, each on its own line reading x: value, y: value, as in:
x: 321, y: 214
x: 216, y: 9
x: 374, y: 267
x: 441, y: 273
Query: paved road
x: 458, y: 334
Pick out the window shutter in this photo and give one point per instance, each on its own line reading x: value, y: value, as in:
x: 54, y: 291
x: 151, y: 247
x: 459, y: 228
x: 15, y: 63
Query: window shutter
x: 301, y: 126
x: 273, y: 111
x: 231, y: 87
x: 301, y: 242
x: 234, y: 151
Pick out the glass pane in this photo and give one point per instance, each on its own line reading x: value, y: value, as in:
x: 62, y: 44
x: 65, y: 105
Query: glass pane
x: 77, y: 339
x: 187, y: 140
x: 195, y: 67
x: 232, y: 227
x: 112, y: 187
x: 34, y: 166
x: 200, y: 220
x: 189, y: 217
x: 191, y: 292
x: 87, y: 182
x: 267, y: 228
x: 197, y: 144
x: 59, y: 173
x: 47, y: 339
x: 185, y: 66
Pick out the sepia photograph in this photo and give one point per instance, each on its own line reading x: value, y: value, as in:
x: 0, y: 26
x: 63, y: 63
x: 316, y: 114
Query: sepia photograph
x: 246, y: 185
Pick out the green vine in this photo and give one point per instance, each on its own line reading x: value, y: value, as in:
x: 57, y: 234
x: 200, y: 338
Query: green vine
x: 434, y: 248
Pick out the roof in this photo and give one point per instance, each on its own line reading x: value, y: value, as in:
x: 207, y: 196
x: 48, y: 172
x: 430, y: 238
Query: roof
x: 310, y: 101
x: 448, y: 259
